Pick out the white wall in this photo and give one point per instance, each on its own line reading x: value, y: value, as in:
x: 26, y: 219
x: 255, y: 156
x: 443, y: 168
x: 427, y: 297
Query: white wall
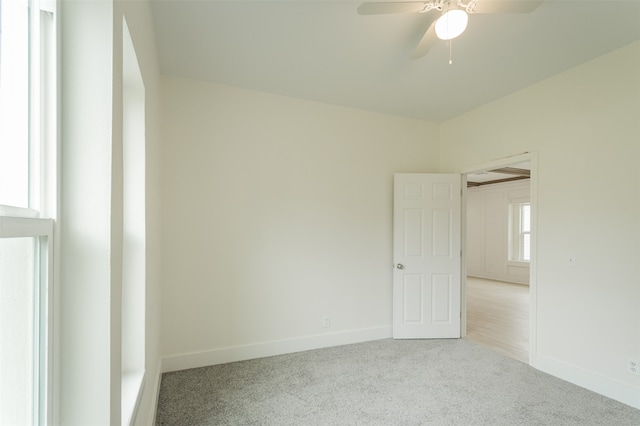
x: 276, y: 213
x: 487, y: 253
x: 91, y: 210
x: 85, y: 219
x: 584, y: 126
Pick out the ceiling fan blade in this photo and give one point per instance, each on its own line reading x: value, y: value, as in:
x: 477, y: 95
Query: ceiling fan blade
x: 507, y: 6
x: 428, y: 40
x: 377, y: 8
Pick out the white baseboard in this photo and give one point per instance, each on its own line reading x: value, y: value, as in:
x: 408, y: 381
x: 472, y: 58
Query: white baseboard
x: 278, y: 347
x: 155, y: 391
x: 604, y: 386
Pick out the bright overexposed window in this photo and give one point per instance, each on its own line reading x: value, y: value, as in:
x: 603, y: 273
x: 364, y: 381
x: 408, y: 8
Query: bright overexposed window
x: 14, y: 103
x: 25, y: 313
x: 27, y: 209
x: 134, y: 226
x: 520, y: 232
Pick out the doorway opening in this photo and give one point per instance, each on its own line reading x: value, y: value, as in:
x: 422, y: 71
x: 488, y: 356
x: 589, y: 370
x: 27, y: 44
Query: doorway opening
x: 499, y: 264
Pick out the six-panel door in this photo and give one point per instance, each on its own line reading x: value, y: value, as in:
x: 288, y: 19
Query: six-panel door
x: 426, y: 252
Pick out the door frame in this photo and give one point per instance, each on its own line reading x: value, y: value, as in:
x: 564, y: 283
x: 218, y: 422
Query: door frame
x: 531, y: 157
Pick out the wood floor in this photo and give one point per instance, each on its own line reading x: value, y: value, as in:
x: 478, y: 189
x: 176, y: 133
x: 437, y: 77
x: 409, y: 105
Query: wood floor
x: 498, y: 316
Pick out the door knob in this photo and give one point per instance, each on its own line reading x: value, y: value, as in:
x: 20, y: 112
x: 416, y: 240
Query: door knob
x: 400, y: 266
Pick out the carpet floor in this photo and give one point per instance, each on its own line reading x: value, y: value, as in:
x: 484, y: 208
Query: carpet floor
x: 383, y: 382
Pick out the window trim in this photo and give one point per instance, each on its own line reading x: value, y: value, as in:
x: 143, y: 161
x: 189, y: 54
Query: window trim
x: 18, y: 227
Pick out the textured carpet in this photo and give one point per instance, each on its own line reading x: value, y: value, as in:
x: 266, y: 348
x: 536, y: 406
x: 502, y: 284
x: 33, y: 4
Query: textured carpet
x: 384, y: 382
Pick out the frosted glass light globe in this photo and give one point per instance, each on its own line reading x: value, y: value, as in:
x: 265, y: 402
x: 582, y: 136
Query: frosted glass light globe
x: 451, y: 24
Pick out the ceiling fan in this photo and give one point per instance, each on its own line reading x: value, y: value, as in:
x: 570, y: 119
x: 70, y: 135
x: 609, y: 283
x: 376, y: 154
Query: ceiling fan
x: 453, y: 15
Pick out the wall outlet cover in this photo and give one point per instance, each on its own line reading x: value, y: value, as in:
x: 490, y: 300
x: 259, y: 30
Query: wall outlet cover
x: 326, y: 322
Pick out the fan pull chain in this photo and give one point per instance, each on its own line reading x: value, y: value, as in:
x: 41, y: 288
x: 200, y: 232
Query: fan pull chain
x: 450, y: 43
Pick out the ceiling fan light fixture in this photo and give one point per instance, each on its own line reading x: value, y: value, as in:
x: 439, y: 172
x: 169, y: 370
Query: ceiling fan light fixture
x: 451, y: 24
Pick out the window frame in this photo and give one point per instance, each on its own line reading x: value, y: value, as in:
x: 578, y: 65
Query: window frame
x: 37, y: 221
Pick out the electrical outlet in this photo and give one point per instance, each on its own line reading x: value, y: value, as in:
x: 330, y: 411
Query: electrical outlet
x: 326, y: 322
x: 634, y: 366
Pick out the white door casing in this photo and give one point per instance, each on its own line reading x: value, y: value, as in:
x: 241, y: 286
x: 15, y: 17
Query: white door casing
x: 426, y: 253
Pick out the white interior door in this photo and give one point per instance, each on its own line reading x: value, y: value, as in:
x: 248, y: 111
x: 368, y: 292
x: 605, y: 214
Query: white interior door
x: 426, y: 252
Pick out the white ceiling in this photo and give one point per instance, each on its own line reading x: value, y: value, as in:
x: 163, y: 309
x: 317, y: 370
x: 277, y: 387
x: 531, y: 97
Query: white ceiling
x: 325, y: 51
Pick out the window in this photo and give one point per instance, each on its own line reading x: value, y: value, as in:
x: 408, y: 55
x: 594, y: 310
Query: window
x: 14, y: 103
x: 520, y: 232
x: 27, y: 209
x: 134, y: 238
x: 25, y: 309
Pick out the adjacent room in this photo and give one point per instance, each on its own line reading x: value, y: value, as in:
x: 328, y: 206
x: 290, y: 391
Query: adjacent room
x: 203, y: 185
x: 498, y: 253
